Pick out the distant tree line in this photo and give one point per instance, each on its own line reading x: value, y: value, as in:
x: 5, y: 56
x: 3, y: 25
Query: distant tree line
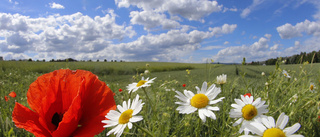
x: 312, y: 57
x: 65, y: 60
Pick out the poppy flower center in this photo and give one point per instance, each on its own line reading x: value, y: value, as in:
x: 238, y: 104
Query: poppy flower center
x: 273, y: 132
x: 141, y: 82
x: 249, y: 111
x: 199, y: 101
x: 56, y: 119
x: 125, y: 116
x: 311, y: 87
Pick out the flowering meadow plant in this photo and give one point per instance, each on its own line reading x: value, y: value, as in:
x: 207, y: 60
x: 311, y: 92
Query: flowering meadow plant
x: 76, y: 103
x: 268, y: 128
x: 247, y: 110
x: 65, y: 103
x: 200, y: 102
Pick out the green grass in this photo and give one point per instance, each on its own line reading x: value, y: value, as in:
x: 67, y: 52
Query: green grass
x: 164, y: 120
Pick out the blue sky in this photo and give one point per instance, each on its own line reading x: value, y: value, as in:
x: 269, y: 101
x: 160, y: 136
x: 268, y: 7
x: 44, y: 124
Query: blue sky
x: 158, y: 30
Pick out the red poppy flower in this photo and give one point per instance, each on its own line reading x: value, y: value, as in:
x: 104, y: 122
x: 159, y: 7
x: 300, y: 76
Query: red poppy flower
x: 248, y: 94
x: 120, y: 90
x: 6, y: 98
x: 13, y: 94
x: 65, y: 103
x: 184, y: 85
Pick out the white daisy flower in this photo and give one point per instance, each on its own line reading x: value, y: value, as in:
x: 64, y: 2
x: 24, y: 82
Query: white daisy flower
x: 268, y: 128
x: 247, y: 110
x: 263, y: 74
x: 125, y: 117
x: 312, y: 87
x: 286, y: 74
x: 222, y: 79
x: 141, y: 84
x: 201, y: 101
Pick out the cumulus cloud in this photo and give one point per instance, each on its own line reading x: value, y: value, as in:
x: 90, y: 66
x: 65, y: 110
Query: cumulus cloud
x: 82, y: 37
x: 225, y: 29
x: 211, y: 47
x: 275, y: 47
x: 288, y: 31
x: 190, y: 9
x: 56, y: 6
x: 170, y: 46
x: 257, y: 51
x: 66, y: 35
x: 150, y: 19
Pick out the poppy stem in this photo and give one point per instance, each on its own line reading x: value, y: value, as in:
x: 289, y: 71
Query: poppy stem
x: 143, y: 129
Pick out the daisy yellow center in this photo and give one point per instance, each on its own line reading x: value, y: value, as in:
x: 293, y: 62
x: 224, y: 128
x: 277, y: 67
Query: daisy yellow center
x: 125, y: 116
x: 274, y: 132
x: 249, y: 111
x: 199, y: 101
x: 285, y: 74
x: 141, y: 82
x: 311, y: 87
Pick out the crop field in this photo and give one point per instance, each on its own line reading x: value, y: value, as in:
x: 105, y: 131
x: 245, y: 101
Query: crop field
x: 160, y: 117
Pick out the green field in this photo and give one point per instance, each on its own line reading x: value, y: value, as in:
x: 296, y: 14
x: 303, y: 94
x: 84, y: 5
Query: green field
x: 164, y: 120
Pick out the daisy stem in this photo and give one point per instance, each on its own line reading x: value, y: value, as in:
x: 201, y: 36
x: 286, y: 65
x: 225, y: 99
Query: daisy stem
x: 145, y: 92
x: 143, y: 129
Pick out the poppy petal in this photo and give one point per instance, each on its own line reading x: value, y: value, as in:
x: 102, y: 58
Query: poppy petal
x: 23, y: 117
x: 97, y: 102
x: 13, y: 94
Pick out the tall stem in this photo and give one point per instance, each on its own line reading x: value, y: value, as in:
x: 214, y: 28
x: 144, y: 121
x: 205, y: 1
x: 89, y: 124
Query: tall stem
x: 145, y: 92
x: 143, y: 129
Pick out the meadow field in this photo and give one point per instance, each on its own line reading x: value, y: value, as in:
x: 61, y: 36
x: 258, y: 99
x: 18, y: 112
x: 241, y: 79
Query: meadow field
x: 160, y: 117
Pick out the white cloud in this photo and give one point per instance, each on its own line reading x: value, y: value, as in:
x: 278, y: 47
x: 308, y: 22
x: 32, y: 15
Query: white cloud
x: 226, y: 42
x: 69, y: 35
x: 225, y: 9
x: 99, y: 7
x: 56, y: 6
x: 190, y: 9
x: 150, y: 19
x: 170, y: 46
x: 288, y: 31
x: 245, y: 12
x: 82, y: 37
x: 275, y: 47
x: 257, y: 51
x: 211, y: 47
x: 225, y: 29
x: 251, y: 8
x: 268, y: 36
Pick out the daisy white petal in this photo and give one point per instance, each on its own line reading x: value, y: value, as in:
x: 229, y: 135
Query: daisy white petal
x: 248, y: 110
x: 199, y: 102
x: 125, y: 118
x: 292, y: 129
x: 268, y: 128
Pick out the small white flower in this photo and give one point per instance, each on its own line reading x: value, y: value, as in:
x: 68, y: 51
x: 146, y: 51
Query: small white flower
x: 268, y: 127
x: 263, y: 74
x: 142, y: 83
x: 312, y: 87
x: 247, y: 110
x: 222, y: 79
x: 266, y: 84
x: 146, y: 72
x: 286, y: 74
x: 201, y: 101
x: 126, y: 116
